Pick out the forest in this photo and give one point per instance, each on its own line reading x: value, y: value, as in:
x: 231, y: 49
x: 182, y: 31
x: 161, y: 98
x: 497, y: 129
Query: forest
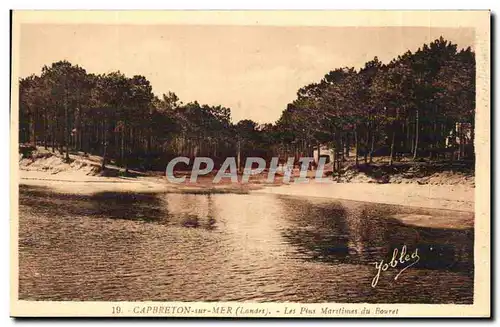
x: 419, y: 106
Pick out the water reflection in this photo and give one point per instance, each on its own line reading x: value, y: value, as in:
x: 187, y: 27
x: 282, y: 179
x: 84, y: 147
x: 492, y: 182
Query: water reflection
x: 232, y: 247
x: 190, y: 210
x: 359, y: 233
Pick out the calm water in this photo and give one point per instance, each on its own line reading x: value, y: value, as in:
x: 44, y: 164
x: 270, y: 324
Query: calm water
x: 233, y: 247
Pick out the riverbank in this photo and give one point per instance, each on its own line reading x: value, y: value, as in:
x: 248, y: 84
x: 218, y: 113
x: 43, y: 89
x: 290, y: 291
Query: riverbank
x: 82, y: 175
x: 449, y: 197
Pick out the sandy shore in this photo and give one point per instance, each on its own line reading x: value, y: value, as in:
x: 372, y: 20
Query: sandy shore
x: 449, y: 197
x: 79, y: 176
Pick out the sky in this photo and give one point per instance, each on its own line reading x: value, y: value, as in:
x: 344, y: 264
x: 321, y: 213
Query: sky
x: 254, y: 70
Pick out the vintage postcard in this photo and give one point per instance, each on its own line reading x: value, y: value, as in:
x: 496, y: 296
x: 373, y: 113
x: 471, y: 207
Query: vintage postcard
x: 315, y: 164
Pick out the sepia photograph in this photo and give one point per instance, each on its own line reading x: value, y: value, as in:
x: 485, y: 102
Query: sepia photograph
x: 250, y: 164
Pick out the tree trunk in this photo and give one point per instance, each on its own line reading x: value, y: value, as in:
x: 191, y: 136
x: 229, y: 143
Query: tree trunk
x: 128, y: 149
x: 66, y: 113
x: 85, y: 139
x: 368, y: 136
x: 372, y: 148
x: 347, y: 145
x: 32, y: 130
x: 80, y: 138
x: 408, y: 142
x: 122, y: 153
x: 53, y: 138
x: 338, y: 154
x: 319, y: 153
x: 472, y: 131
x: 238, y: 156
x: 460, y: 141
x: 105, y: 145
x: 357, y: 145
x: 392, y: 148
x: 415, y: 149
x: 342, y: 144
x: 45, y: 128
